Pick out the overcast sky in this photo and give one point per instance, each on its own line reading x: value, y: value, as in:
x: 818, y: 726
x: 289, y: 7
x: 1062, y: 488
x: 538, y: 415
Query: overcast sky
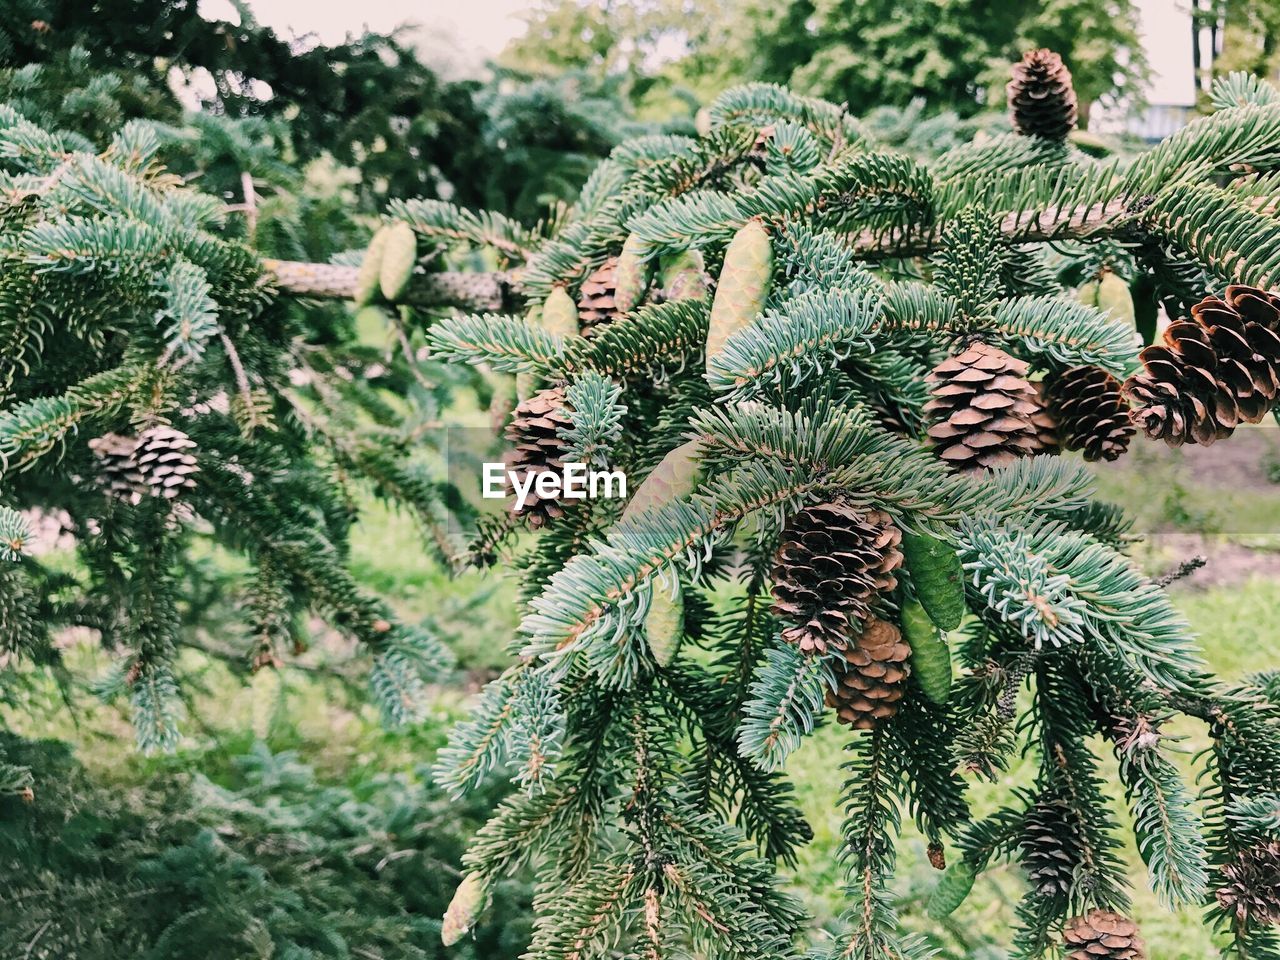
x: 468, y: 31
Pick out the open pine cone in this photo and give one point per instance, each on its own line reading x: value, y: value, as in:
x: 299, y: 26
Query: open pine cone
x: 165, y: 461
x: 832, y: 563
x: 984, y: 408
x: 1092, y: 415
x: 118, y: 466
x: 1213, y: 372
x: 1042, y: 101
x: 1103, y: 935
x: 1252, y: 890
x: 537, y: 446
x: 596, y: 304
x: 870, y: 678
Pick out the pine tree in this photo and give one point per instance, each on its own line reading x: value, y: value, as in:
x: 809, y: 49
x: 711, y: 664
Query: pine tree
x: 650, y: 797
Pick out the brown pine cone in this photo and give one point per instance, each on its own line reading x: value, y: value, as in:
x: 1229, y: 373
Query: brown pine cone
x: 165, y: 461
x: 1103, y: 935
x: 1213, y: 372
x: 983, y: 405
x: 871, y: 675
x: 1252, y: 890
x: 832, y: 563
x: 1042, y: 101
x: 118, y: 466
x: 596, y: 305
x: 535, y: 432
x: 1092, y: 413
x: 1050, y: 848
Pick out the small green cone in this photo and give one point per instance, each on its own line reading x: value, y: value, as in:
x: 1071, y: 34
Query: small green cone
x: 743, y: 287
x: 560, y: 314
x: 675, y: 477
x: 1114, y: 298
x: 1087, y: 293
x: 664, y: 623
x: 399, y: 257
x: 370, y: 269
x: 684, y: 276
x: 467, y: 902
x: 631, y: 276
x: 938, y: 577
x: 930, y: 657
x: 952, y: 890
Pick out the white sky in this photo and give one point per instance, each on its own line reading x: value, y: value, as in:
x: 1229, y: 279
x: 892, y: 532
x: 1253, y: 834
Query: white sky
x: 462, y: 33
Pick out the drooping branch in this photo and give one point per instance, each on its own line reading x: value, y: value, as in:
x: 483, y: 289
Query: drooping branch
x: 497, y: 292
x: 480, y: 292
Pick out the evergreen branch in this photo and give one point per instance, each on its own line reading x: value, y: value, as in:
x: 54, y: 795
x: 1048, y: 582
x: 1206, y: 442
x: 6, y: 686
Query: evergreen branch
x: 581, y: 602
x: 1168, y: 831
x: 655, y: 338
x: 1232, y: 239
x: 443, y: 221
x: 799, y: 338
x: 30, y: 430
x: 478, y: 745
x: 760, y: 104
x: 785, y: 701
x: 596, y: 419
x: 1066, y: 333
x: 508, y: 344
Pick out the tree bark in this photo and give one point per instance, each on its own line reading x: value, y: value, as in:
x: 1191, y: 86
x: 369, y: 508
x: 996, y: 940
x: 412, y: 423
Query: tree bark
x: 496, y: 292
x: 478, y: 292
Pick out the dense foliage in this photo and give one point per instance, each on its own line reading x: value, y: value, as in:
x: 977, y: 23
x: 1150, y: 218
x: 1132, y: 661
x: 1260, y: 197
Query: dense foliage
x: 164, y: 387
x: 271, y: 863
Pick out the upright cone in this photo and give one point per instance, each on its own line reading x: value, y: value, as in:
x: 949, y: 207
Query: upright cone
x: 1042, y: 101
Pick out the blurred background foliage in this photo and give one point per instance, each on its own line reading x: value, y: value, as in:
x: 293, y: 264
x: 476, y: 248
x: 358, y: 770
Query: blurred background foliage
x: 291, y: 824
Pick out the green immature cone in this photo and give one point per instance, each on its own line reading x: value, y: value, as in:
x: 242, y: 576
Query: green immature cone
x: 399, y: 257
x: 664, y: 623
x: 743, y: 287
x: 631, y: 277
x: 684, y: 276
x: 938, y: 577
x: 1087, y: 293
x: 467, y: 902
x: 560, y: 314
x: 930, y: 657
x: 675, y: 477
x: 952, y: 890
x: 367, y: 279
x: 1115, y: 299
